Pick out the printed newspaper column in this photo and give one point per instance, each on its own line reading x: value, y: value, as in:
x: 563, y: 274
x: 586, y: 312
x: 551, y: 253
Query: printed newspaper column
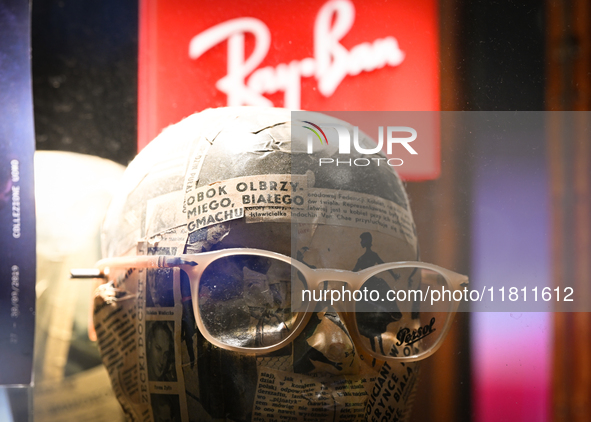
x: 353, y: 209
x: 140, y: 328
x: 192, y: 175
x: 387, y: 394
x: 395, y: 381
x: 169, y: 334
x: 287, y: 396
x: 120, y: 327
x: 258, y: 198
x: 163, y: 335
x: 288, y: 198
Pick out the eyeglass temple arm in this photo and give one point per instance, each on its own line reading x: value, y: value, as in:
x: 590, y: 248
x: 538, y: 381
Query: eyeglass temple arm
x: 462, y: 281
x: 130, y: 262
x: 458, y: 281
x: 160, y: 261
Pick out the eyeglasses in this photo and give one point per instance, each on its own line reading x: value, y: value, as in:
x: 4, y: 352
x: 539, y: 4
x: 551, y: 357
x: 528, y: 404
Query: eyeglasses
x: 257, y: 301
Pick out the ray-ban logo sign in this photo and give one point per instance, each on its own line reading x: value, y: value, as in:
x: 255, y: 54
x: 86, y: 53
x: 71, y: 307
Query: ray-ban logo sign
x: 318, y: 132
x: 246, y: 83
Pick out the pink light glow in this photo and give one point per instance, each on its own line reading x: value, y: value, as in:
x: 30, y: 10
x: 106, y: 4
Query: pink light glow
x: 511, y: 366
x: 511, y: 352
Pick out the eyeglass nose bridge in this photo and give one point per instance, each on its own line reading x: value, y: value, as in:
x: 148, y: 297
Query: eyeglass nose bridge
x: 323, y: 282
x: 323, y: 295
x: 317, y: 277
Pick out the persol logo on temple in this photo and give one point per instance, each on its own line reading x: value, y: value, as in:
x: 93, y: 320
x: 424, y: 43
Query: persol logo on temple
x: 246, y: 84
x: 344, y: 137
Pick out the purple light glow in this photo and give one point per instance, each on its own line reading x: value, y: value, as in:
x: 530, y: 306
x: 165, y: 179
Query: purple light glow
x: 511, y: 352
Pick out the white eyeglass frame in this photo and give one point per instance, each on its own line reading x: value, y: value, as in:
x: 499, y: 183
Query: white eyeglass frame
x: 195, y: 264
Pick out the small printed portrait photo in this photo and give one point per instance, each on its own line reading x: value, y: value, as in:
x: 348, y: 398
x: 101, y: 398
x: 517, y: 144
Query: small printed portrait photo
x: 160, y: 288
x: 160, y: 350
x: 166, y: 407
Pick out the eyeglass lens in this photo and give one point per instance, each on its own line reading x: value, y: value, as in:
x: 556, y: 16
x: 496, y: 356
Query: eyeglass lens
x: 403, y: 318
x: 245, y: 301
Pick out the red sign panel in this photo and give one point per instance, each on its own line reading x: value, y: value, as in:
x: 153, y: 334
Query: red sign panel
x: 314, y: 55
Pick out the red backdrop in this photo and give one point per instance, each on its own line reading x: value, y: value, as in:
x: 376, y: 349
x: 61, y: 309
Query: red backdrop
x: 385, y: 52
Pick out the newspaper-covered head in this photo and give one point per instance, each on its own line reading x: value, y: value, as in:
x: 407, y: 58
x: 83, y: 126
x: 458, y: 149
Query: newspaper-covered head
x: 224, y: 339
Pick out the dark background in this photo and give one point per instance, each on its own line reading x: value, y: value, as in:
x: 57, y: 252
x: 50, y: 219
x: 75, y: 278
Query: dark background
x: 504, y: 51
x: 85, y: 76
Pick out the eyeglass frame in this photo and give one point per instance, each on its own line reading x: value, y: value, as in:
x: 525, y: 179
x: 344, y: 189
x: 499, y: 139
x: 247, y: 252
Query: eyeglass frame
x: 195, y: 264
